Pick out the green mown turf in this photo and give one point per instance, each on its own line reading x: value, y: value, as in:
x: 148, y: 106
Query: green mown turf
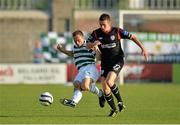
x: 147, y: 103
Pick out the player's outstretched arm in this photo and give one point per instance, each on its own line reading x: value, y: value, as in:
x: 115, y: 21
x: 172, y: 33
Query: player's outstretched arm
x: 137, y: 41
x: 63, y: 50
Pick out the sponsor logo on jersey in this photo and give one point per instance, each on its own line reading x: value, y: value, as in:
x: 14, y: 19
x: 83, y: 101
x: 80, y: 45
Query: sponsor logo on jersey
x: 111, y: 45
x: 112, y: 37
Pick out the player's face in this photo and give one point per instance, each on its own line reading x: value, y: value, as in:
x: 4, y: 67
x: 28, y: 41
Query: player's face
x: 79, y: 40
x: 105, y: 26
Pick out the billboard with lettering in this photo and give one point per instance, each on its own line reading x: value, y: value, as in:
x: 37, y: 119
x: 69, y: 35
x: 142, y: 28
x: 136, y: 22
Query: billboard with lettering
x: 33, y: 73
x: 148, y: 72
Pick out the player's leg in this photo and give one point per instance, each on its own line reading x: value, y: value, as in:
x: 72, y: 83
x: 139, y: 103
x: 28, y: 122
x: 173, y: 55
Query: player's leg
x: 99, y: 92
x: 109, y: 97
x: 88, y: 84
x: 110, y: 80
x: 77, y: 95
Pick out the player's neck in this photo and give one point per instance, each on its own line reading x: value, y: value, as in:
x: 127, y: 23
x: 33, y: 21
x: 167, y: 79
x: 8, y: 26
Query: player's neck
x: 108, y: 31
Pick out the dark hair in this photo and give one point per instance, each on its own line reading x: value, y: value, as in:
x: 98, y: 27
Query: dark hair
x: 77, y: 32
x: 104, y: 16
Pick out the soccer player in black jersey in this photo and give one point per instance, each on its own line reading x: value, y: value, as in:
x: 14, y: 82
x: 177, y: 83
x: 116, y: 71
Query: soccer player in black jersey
x: 107, y: 38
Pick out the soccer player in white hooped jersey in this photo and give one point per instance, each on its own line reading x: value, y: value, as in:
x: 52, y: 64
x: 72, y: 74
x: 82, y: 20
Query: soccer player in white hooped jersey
x: 87, y: 76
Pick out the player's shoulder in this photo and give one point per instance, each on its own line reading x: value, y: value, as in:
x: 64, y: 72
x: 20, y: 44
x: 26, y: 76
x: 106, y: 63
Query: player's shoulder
x: 118, y: 28
x: 121, y: 30
x: 96, y: 31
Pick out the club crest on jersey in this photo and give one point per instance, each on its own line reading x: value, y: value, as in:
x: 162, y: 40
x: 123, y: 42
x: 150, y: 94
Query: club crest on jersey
x: 112, y: 37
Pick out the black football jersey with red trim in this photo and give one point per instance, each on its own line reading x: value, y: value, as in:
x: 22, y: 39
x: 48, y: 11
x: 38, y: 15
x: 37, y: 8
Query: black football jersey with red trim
x: 110, y: 44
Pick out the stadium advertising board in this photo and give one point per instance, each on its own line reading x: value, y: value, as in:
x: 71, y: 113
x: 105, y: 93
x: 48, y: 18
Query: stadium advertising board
x: 148, y: 72
x: 136, y: 72
x: 162, y: 48
x: 33, y: 73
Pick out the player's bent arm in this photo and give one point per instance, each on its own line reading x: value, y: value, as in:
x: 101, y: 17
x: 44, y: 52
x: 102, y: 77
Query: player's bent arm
x: 98, y: 53
x: 92, y: 45
x: 69, y: 53
x: 138, y: 42
x: 63, y: 50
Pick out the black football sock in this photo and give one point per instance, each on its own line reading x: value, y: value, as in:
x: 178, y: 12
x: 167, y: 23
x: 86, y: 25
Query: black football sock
x: 110, y: 101
x: 116, y: 93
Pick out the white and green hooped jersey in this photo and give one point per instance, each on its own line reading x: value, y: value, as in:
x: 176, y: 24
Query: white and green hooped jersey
x: 83, y: 56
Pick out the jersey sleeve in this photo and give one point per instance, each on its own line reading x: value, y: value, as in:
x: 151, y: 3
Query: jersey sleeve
x: 91, y: 38
x: 124, y: 34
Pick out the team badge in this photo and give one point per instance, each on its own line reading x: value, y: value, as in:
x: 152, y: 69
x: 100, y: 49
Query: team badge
x: 112, y: 37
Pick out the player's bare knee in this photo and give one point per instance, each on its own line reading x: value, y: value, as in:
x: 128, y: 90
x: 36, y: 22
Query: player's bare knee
x: 85, y: 87
x: 76, y: 85
x: 107, y: 92
x: 109, y: 83
x: 106, y: 89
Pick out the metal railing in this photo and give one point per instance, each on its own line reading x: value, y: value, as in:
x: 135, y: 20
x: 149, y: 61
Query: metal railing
x: 128, y: 4
x: 96, y: 4
x: 154, y: 4
x: 24, y: 4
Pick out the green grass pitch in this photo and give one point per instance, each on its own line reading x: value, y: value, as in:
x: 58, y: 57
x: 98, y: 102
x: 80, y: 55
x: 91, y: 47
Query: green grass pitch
x: 145, y: 103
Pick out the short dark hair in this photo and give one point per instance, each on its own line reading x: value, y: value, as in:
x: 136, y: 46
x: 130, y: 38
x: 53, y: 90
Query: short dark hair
x: 77, y: 32
x: 104, y: 16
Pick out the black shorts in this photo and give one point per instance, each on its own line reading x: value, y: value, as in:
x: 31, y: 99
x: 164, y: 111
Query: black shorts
x: 116, y: 67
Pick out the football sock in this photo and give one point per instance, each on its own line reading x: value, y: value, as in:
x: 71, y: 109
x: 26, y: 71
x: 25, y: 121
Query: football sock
x: 110, y: 101
x: 116, y: 93
x: 77, y: 95
x: 94, y: 89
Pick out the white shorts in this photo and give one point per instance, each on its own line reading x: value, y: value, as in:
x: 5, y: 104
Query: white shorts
x: 89, y: 71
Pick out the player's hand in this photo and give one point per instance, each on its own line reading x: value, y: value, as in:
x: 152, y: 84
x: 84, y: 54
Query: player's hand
x: 96, y: 49
x: 145, y: 54
x: 96, y: 43
x: 60, y: 47
x: 93, y: 45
